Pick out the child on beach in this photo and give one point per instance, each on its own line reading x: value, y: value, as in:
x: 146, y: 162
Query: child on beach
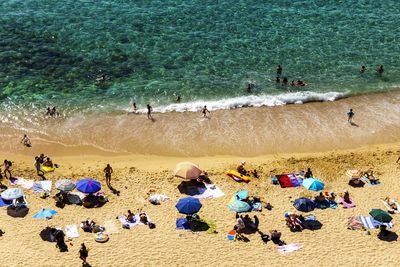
x: 350, y: 116
x: 26, y: 141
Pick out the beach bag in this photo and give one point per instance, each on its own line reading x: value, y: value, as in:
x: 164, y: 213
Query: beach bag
x: 274, y: 180
x: 151, y: 225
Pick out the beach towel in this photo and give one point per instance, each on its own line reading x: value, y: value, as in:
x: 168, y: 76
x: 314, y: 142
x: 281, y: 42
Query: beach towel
x: 347, y: 205
x: 365, y: 179
x: 390, y: 208
x: 136, y: 221
x: 25, y: 183
x: 182, y: 224
x: 289, y: 248
x: 371, y: 223
x: 42, y: 186
x: 111, y: 228
x: 354, y: 173
x: 289, y: 180
x: 156, y: 199
x: 210, y: 191
x: 71, y: 231
x: 354, y: 223
x: 326, y: 204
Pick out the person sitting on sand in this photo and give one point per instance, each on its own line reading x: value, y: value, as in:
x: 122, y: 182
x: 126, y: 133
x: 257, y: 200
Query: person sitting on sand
x: 88, y: 225
x: 240, y: 225
x: 293, y: 222
x: 332, y: 198
x: 130, y: 217
x: 308, y: 173
x: 143, y: 218
x: 346, y: 196
x: 240, y: 168
x: 320, y: 198
x: 276, y: 237
x: 7, y: 168
x: 370, y: 176
x: 255, y: 173
x: 26, y: 141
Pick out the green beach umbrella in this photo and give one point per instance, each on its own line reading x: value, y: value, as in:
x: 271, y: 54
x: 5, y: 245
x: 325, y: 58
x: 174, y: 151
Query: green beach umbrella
x: 381, y: 215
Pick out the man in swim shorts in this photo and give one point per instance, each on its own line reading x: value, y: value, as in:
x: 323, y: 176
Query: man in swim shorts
x: 108, y: 171
x: 350, y: 116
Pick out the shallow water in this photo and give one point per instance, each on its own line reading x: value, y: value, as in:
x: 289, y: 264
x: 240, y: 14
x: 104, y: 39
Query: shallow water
x: 206, y: 51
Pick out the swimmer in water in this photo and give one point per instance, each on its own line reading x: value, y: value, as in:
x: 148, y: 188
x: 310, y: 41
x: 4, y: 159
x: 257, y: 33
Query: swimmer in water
x: 178, y: 99
x: 363, y: 69
x: 279, y: 70
x: 380, y: 70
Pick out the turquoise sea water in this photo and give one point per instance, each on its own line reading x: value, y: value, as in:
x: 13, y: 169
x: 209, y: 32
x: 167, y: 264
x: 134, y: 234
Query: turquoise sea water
x: 206, y: 51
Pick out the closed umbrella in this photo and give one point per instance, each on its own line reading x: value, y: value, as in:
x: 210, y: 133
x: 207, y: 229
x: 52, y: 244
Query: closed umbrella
x: 239, y: 206
x: 304, y: 204
x: 313, y: 184
x: 188, y: 205
x: 187, y: 170
x: 381, y: 215
x: 12, y: 193
x: 45, y: 213
x: 65, y: 185
x: 88, y: 186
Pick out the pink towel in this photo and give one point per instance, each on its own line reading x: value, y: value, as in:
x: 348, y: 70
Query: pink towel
x: 347, y: 205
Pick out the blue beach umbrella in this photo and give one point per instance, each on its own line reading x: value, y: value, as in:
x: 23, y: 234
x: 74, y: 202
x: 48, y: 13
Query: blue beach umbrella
x: 188, y: 205
x: 304, y: 204
x: 313, y: 184
x: 12, y: 193
x: 88, y: 186
x: 242, y: 194
x: 239, y: 206
x: 44, y: 213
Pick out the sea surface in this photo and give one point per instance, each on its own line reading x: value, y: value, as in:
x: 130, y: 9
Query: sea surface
x: 52, y: 51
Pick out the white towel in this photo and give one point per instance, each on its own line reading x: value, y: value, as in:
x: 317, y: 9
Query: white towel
x: 212, y: 191
x: 289, y: 248
x: 71, y: 231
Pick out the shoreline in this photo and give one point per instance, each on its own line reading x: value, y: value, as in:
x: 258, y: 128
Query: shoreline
x: 255, y: 131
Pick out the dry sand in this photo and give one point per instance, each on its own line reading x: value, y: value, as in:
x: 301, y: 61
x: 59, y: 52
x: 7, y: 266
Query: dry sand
x: 136, y: 175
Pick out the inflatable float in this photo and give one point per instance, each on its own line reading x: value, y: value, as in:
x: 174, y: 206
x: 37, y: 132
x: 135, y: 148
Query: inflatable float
x: 101, y: 237
x: 238, y: 177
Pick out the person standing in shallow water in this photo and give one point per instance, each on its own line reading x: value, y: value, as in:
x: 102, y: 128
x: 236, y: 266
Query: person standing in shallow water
x: 380, y: 70
x: 149, y: 110
x: 350, y: 116
x: 278, y: 70
x: 205, y: 111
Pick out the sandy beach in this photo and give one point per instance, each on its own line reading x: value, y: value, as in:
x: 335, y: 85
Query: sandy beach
x: 328, y: 146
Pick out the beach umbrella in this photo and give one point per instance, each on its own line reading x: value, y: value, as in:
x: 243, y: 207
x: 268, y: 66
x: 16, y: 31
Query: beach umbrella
x: 188, y: 205
x: 239, y: 206
x: 45, y: 213
x: 88, y: 186
x: 242, y: 194
x: 65, y: 185
x: 187, y: 170
x: 313, y: 184
x: 304, y: 204
x: 380, y: 215
x: 12, y: 193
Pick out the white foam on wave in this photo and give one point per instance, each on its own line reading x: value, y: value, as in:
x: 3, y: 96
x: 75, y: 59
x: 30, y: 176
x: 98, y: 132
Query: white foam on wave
x: 250, y: 101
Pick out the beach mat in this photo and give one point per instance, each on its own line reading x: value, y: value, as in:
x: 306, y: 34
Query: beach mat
x: 71, y: 231
x: 211, y: 191
x: 42, y: 186
x: 137, y: 221
x: 347, y: 205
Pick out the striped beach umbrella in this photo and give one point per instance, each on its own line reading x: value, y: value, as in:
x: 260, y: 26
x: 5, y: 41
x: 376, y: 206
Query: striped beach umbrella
x: 65, y: 185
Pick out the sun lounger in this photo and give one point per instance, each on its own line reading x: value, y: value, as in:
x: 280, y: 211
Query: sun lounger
x: 390, y: 208
x: 371, y: 223
x: 347, y: 205
x: 71, y: 231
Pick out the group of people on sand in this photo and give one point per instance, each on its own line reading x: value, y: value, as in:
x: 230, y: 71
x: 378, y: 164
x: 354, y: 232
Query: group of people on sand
x: 41, y: 161
x: 241, y: 169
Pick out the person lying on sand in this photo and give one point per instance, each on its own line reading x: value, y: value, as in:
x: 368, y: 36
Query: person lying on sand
x: 370, y: 176
x: 391, y: 203
x: 88, y: 225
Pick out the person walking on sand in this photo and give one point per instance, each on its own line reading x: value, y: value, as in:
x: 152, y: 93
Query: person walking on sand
x: 108, y: 170
x: 205, y: 111
x: 38, y: 168
x: 26, y: 141
x: 83, y: 253
x: 149, y: 110
x: 7, y: 169
x: 350, y: 116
